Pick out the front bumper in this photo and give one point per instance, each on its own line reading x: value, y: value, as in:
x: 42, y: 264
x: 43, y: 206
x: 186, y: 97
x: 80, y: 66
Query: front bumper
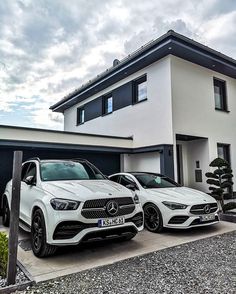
x: 71, y: 228
x: 184, y: 219
x: 192, y: 221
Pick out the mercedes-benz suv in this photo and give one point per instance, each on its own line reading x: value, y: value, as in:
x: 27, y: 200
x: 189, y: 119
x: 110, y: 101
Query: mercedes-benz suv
x: 65, y: 202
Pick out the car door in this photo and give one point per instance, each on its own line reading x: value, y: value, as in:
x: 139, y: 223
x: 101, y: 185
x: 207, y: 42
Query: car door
x: 28, y: 192
x: 24, y: 169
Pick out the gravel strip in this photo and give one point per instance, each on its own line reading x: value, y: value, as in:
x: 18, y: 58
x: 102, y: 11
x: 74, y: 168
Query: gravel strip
x: 204, y: 266
x: 20, y: 278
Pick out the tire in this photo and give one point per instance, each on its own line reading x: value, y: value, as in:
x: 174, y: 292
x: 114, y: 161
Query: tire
x: 5, y: 213
x: 38, y: 236
x: 153, y: 220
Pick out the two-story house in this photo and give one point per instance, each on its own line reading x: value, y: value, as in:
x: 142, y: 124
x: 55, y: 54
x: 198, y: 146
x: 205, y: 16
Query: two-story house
x: 175, y: 96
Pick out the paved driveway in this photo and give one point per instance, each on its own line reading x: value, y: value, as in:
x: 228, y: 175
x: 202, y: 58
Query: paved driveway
x: 75, y: 259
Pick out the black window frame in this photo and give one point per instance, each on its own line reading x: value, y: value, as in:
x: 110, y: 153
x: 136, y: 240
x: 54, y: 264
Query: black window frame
x: 223, y: 94
x: 226, y: 151
x: 137, y: 82
x: 79, y: 112
x: 104, y: 103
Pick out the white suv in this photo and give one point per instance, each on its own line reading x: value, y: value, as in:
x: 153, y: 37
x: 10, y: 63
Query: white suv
x: 65, y: 202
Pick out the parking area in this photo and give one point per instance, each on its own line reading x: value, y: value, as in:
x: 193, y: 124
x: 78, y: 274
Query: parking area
x: 70, y: 260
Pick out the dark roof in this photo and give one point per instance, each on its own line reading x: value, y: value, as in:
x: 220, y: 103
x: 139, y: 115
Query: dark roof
x: 169, y: 43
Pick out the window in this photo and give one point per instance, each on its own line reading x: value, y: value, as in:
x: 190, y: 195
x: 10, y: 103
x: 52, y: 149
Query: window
x: 31, y: 172
x: 115, y: 179
x: 24, y: 170
x: 108, y: 104
x: 140, y: 89
x: 80, y: 116
x: 223, y: 151
x: 220, y: 94
x: 125, y: 180
x: 153, y: 181
x: 69, y: 170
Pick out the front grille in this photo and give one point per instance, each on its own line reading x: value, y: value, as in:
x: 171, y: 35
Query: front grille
x: 199, y: 208
x: 180, y: 219
x: 97, y: 208
x: 100, y: 203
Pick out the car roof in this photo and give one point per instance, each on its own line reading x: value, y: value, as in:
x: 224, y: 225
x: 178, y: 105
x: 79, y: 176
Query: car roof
x: 137, y: 173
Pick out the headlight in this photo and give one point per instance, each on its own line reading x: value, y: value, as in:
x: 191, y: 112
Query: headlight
x: 64, y: 204
x: 174, y: 205
x: 136, y: 199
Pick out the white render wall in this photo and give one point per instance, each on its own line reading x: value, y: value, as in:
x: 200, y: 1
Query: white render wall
x: 194, y: 111
x: 145, y: 162
x: 192, y: 151
x: 149, y: 122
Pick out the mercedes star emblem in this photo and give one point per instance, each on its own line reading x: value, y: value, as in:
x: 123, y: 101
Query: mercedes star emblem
x: 112, y: 207
x: 207, y: 208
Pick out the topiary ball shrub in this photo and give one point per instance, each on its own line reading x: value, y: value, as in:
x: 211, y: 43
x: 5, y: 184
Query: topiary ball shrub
x: 3, y: 254
x: 229, y: 206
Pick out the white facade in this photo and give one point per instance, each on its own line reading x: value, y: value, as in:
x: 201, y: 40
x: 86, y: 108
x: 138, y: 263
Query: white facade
x: 180, y: 104
x: 145, y: 121
x: 194, y: 114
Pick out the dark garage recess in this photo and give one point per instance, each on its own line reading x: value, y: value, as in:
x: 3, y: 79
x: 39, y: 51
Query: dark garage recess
x: 108, y: 163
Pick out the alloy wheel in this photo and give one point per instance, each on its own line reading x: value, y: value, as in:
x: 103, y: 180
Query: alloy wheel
x: 152, y: 218
x: 37, y: 232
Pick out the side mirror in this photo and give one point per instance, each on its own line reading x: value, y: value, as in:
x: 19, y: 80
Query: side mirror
x: 30, y: 181
x: 132, y: 187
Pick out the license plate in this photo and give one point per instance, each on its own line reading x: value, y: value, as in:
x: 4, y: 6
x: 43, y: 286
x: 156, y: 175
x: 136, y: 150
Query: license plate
x: 111, y: 222
x: 205, y: 218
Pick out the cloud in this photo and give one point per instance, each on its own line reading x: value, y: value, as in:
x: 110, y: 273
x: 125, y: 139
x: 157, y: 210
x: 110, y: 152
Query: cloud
x: 49, y: 48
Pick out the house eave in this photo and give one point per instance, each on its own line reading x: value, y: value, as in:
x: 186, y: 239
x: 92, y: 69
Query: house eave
x: 170, y: 43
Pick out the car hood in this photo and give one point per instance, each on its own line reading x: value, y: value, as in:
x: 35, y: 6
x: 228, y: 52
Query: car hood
x: 181, y: 195
x: 86, y: 189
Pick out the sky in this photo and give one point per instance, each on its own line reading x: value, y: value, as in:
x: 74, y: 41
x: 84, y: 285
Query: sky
x: 48, y: 48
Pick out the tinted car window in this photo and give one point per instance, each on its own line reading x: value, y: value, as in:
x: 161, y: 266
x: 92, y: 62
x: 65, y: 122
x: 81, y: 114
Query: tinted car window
x: 125, y: 180
x: 149, y: 181
x: 24, y: 170
x: 115, y: 179
x: 31, y: 171
x: 69, y: 170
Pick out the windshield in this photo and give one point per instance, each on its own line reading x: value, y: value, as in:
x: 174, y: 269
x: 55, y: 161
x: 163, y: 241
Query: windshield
x: 69, y: 170
x: 152, y: 181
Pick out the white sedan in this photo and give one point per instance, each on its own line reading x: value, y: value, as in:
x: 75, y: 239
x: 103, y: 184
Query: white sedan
x: 167, y: 204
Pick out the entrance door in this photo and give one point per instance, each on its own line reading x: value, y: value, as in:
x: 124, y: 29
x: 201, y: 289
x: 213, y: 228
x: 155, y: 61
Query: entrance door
x: 179, y: 164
